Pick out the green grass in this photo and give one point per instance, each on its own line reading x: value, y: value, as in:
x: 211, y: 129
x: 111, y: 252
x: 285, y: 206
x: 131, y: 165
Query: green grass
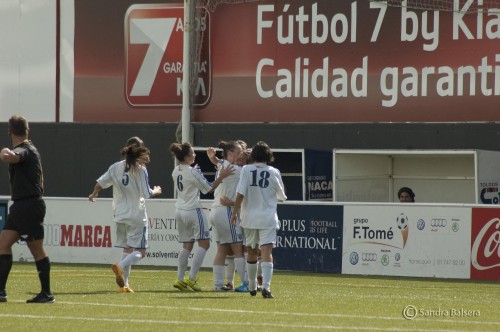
x: 87, y: 300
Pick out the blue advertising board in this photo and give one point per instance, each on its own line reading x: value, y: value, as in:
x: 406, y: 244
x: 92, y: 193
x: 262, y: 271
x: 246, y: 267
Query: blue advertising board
x: 309, y: 238
x: 318, y: 171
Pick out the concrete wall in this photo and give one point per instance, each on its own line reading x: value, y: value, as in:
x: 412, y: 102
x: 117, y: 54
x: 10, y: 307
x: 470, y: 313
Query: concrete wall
x: 74, y: 155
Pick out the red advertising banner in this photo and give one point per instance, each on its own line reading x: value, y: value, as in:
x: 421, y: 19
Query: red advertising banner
x: 154, y: 56
x: 288, y: 61
x: 485, y: 240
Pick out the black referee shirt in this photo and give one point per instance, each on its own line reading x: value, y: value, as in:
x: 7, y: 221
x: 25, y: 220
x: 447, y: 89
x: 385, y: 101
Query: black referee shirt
x: 26, y: 177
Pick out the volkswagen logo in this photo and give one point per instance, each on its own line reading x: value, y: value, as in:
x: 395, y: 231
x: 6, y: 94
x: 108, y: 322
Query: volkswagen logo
x: 354, y: 258
x: 420, y: 224
x: 385, y: 260
x: 437, y: 222
x: 369, y: 257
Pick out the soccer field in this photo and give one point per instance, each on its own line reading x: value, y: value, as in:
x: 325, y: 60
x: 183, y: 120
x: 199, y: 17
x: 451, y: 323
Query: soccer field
x: 87, y: 299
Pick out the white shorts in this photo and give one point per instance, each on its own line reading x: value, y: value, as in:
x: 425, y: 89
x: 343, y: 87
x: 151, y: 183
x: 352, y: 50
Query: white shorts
x: 224, y: 232
x: 256, y: 238
x: 192, y: 225
x: 131, y: 235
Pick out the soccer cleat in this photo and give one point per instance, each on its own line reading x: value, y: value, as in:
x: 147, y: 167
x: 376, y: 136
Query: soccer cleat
x: 126, y: 289
x: 229, y: 286
x: 180, y: 285
x: 243, y: 288
x: 253, y: 292
x: 192, y: 284
x: 3, y: 296
x: 267, y: 294
x: 117, y: 269
x: 42, y: 297
x: 227, y: 289
x: 220, y: 289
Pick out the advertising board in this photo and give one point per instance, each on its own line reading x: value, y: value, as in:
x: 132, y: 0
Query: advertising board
x: 407, y: 241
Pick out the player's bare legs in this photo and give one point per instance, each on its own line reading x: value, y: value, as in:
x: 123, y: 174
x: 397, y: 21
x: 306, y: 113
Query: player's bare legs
x: 7, y: 239
x: 37, y: 249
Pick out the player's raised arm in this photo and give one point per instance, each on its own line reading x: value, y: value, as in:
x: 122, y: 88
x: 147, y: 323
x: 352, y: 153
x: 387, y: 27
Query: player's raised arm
x: 9, y: 157
x: 211, y: 153
x: 93, y: 195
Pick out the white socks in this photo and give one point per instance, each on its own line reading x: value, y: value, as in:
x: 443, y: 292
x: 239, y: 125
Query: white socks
x: 129, y: 259
x: 229, y: 272
x: 218, y: 276
x: 199, y: 256
x: 267, y: 274
x: 240, y: 265
x: 252, y: 276
x: 183, y: 263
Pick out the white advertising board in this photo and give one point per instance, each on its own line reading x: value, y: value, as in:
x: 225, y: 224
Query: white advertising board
x: 78, y: 231
x: 406, y: 240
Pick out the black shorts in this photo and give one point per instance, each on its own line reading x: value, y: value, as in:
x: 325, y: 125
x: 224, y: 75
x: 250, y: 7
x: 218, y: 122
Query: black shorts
x: 26, y: 218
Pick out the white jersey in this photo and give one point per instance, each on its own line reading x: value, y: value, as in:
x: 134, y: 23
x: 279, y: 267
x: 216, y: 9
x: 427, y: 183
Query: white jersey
x: 130, y: 190
x: 262, y: 187
x: 188, y: 183
x: 228, y: 186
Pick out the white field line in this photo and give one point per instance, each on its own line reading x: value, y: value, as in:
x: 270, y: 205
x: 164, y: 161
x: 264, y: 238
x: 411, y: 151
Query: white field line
x: 252, y: 323
x: 433, y: 319
x: 253, y: 313
x: 276, y: 273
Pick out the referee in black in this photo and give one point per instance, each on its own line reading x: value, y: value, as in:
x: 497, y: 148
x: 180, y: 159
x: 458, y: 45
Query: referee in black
x: 27, y: 212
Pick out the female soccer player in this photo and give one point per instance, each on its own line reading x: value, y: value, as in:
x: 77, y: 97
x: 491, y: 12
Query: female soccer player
x: 228, y: 236
x: 129, y: 179
x: 259, y: 189
x: 191, y: 221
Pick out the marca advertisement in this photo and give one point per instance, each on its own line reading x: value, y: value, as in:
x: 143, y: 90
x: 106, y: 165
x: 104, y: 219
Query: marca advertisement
x: 309, y: 238
x: 407, y: 241
x: 79, y: 231
x: 287, y: 61
x: 485, y: 241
